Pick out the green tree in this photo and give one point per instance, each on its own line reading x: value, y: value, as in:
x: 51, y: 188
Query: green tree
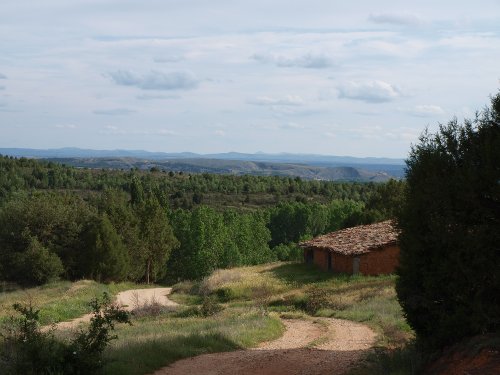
x: 36, y: 265
x: 449, y: 284
x: 106, y: 258
x: 157, y: 240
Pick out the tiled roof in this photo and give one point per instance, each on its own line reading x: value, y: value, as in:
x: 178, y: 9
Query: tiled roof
x: 356, y: 240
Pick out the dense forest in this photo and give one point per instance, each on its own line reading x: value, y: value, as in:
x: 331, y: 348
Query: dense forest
x: 149, y: 226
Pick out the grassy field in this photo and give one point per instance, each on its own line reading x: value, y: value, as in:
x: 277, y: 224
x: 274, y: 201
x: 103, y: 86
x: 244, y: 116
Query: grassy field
x: 58, y: 301
x: 232, y: 309
x: 297, y: 290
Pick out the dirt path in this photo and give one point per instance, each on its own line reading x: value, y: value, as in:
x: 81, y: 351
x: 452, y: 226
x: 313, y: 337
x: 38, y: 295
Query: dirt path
x: 128, y: 300
x: 324, y: 347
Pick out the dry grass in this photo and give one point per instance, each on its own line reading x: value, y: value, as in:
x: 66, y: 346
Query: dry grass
x: 298, y: 289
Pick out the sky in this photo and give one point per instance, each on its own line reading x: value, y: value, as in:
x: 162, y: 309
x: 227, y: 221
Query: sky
x: 357, y: 78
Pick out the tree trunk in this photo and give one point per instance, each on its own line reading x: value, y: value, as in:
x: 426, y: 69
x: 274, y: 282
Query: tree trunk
x: 148, y: 267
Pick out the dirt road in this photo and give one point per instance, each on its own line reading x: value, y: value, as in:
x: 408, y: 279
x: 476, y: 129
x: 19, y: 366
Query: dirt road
x: 324, y: 347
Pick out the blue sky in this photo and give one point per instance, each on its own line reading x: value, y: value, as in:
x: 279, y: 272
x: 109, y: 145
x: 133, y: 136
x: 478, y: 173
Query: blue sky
x: 359, y: 78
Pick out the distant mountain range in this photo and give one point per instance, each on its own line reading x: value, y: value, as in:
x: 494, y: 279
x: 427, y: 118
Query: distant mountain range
x: 309, y: 166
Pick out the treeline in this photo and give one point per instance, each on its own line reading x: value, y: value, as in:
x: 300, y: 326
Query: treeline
x: 182, y: 190
x: 127, y: 228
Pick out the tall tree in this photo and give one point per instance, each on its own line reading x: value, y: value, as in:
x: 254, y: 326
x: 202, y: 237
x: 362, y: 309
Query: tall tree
x: 449, y: 284
x: 157, y: 240
x: 106, y: 258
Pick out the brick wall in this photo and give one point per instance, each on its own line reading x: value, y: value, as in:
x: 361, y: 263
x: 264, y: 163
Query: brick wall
x: 342, y: 263
x: 379, y: 262
x: 321, y: 259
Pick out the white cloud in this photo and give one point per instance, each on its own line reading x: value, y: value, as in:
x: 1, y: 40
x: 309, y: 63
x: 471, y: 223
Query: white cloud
x: 66, y: 126
x: 156, y: 97
x: 424, y: 110
x: 289, y: 100
x: 309, y: 60
x: 220, y: 133
x: 115, y: 130
x: 292, y: 125
x: 155, y: 80
x: 369, y: 91
x: 407, y: 19
x: 168, y: 59
x: 114, y: 111
x: 3, y: 76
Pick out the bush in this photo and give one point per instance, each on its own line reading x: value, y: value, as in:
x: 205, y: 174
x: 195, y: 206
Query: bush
x: 37, y: 265
x: 210, y: 306
x: 28, y: 350
x: 290, y: 252
x: 317, y: 299
x: 449, y: 285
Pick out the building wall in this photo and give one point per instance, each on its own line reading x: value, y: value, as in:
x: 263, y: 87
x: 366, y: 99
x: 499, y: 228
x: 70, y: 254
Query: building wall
x: 321, y: 259
x: 383, y: 261
x: 342, y: 263
x: 379, y: 262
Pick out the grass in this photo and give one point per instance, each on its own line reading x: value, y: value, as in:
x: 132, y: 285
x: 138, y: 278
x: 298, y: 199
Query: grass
x: 253, y: 300
x: 59, y: 301
x: 295, y: 288
x: 152, y: 343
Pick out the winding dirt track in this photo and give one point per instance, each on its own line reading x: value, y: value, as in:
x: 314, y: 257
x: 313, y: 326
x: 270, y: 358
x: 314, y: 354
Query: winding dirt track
x: 325, y: 347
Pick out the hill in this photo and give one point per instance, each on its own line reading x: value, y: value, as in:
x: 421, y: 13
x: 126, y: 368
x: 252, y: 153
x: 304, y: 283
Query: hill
x: 307, y: 166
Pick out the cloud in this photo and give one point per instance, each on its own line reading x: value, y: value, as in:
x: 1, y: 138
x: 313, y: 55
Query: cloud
x: 406, y: 19
x: 292, y: 125
x: 114, y: 112
x: 3, y: 76
x: 424, y: 110
x: 220, y: 133
x: 309, y: 60
x: 369, y: 91
x: 156, y: 97
x: 115, y: 130
x: 2, y: 87
x: 155, y: 80
x: 289, y: 100
x: 66, y: 126
x: 168, y: 59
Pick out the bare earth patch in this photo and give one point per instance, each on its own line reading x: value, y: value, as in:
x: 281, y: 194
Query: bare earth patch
x: 326, y: 346
x: 128, y: 300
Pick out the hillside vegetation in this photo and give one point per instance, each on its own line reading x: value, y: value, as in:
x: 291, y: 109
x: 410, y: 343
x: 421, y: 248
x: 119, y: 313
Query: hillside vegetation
x: 107, y: 225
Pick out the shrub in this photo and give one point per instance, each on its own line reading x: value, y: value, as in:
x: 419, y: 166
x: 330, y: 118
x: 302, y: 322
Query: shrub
x: 289, y: 252
x: 28, y: 350
x: 317, y: 299
x: 210, y: 306
x: 37, y: 265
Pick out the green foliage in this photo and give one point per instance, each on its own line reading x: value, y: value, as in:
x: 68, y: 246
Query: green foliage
x: 210, y: 306
x: 115, y: 225
x: 28, y: 350
x: 105, y: 258
x: 289, y: 252
x: 56, y: 221
x: 37, y: 265
x: 449, y: 285
x: 157, y: 240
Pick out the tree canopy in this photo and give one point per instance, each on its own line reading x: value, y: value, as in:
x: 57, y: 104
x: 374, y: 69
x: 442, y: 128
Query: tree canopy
x: 449, y: 281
